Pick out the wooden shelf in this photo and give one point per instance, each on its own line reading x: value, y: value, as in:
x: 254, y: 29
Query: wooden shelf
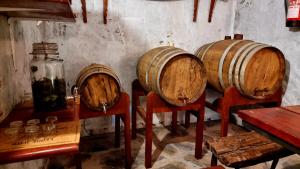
x: 58, y: 10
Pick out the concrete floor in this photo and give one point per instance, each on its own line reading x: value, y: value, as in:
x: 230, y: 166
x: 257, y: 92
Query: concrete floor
x: 169, y: 152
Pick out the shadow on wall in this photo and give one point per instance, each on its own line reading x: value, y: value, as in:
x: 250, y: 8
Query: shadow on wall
x: 286, y: 77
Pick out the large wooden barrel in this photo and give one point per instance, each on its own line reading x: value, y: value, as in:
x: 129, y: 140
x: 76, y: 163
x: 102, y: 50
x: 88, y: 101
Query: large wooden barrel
x: 176, y: 75
x: 98, y: 86
x: 255, y: 69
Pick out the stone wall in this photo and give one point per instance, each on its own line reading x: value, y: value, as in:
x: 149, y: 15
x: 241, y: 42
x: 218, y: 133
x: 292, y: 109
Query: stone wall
x: 11, y: 73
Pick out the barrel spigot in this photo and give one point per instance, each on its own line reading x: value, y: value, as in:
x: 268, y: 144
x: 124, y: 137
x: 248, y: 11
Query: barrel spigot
x: 104, y: 106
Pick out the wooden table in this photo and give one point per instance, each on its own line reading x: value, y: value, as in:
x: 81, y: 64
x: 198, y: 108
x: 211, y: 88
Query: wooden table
x: 280, y: 124
x: 67, y: 118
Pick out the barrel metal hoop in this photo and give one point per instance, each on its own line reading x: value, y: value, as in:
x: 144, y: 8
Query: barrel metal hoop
x: 199, y: 51
x: 96, y: 70
x: 151, y: 62
x: 204, y: 53
x: 234, y: 61
x: 246, y: 60
x: 239, y: 63
x: 221, y: 63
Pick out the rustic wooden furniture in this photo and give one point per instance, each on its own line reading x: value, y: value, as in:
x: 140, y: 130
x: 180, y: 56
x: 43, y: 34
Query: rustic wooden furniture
x: 245, y: 149
x: 59, y: 10
x: 156, y: 105
x: 121, y: 111
x: 255, y: 69
x: 232, y: 97
x: 281, y: 124
x: 25, y: 112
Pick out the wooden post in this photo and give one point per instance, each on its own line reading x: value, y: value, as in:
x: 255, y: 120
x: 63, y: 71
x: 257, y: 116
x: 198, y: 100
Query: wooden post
x: 211, y: 9
x: 83, y: 7
x: 196, y: 2
x: 105, y: 11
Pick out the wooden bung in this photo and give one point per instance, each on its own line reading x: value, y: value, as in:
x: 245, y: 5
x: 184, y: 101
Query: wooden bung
x: 99, y: 87
x: 255, y: 69
x: 177, y: 76
x: 238, y: 36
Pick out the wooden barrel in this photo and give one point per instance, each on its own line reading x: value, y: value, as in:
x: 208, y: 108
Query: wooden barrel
x: 98, y: 86
x: 176, y: 75
x: 255, y: 69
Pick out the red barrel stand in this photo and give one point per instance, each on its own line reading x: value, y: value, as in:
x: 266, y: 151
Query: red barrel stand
x: 121, y: 111
x: 156, y: 105
x: 232, y: 97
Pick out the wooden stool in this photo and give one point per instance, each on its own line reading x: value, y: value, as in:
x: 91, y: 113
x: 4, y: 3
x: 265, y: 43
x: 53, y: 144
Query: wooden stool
x: 121, y: 111
x: 244, y: 150
x: 156, y: 105
x: 231, y: 98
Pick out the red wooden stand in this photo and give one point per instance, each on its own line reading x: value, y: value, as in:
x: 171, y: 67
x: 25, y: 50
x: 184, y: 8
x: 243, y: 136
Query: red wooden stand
x: 156, y: 105
x: 121, y: 111
x: 231, y: 98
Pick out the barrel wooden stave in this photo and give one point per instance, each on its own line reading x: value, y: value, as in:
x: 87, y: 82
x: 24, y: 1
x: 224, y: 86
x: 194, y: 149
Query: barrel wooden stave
x: 99, y: 87
x: 243, y: 63
x: 177, y: 76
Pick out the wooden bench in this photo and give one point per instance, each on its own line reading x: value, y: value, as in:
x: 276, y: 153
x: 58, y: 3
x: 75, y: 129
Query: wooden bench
x: 244, y: 150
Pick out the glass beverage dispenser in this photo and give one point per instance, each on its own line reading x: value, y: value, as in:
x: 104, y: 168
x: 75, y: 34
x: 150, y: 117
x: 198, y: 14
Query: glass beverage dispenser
x: 47, y: 78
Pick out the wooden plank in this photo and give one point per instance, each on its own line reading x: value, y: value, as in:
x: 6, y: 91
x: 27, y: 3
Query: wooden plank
x: 196, y: 2
x: 66, y: 133
x: 45, y: 10
x: 268, y: 120
x: 83, y: 7
x: 245, y: 149
x: 105, y: 11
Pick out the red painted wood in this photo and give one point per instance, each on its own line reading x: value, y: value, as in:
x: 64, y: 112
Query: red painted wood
x: 279, y: 121
x: 83, y: 7
x: 25, y: 112
x: 231, y: 98
x: 196, y: 2
x: 118, y: 108
x: 36, y: 153
x: 59, y: 10
x: 121, y: 110
x: 211, y: 9
x: 157, y: 105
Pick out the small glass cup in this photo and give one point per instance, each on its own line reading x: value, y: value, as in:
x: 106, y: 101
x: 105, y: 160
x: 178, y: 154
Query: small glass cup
x: 33, y: 122
x: 51, y: 119
x: 12, y: 133
x: 16, y: 124
x: 32, y: 131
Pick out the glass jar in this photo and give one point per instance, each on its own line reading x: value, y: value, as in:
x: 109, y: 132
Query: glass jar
x: 47, y: 78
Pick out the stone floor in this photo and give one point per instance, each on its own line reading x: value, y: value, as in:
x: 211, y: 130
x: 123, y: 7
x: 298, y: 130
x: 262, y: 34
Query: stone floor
x: 169, y: 152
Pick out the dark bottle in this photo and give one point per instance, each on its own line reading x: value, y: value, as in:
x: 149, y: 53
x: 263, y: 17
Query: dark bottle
x: 292, y: 13
x: 47, y: 78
